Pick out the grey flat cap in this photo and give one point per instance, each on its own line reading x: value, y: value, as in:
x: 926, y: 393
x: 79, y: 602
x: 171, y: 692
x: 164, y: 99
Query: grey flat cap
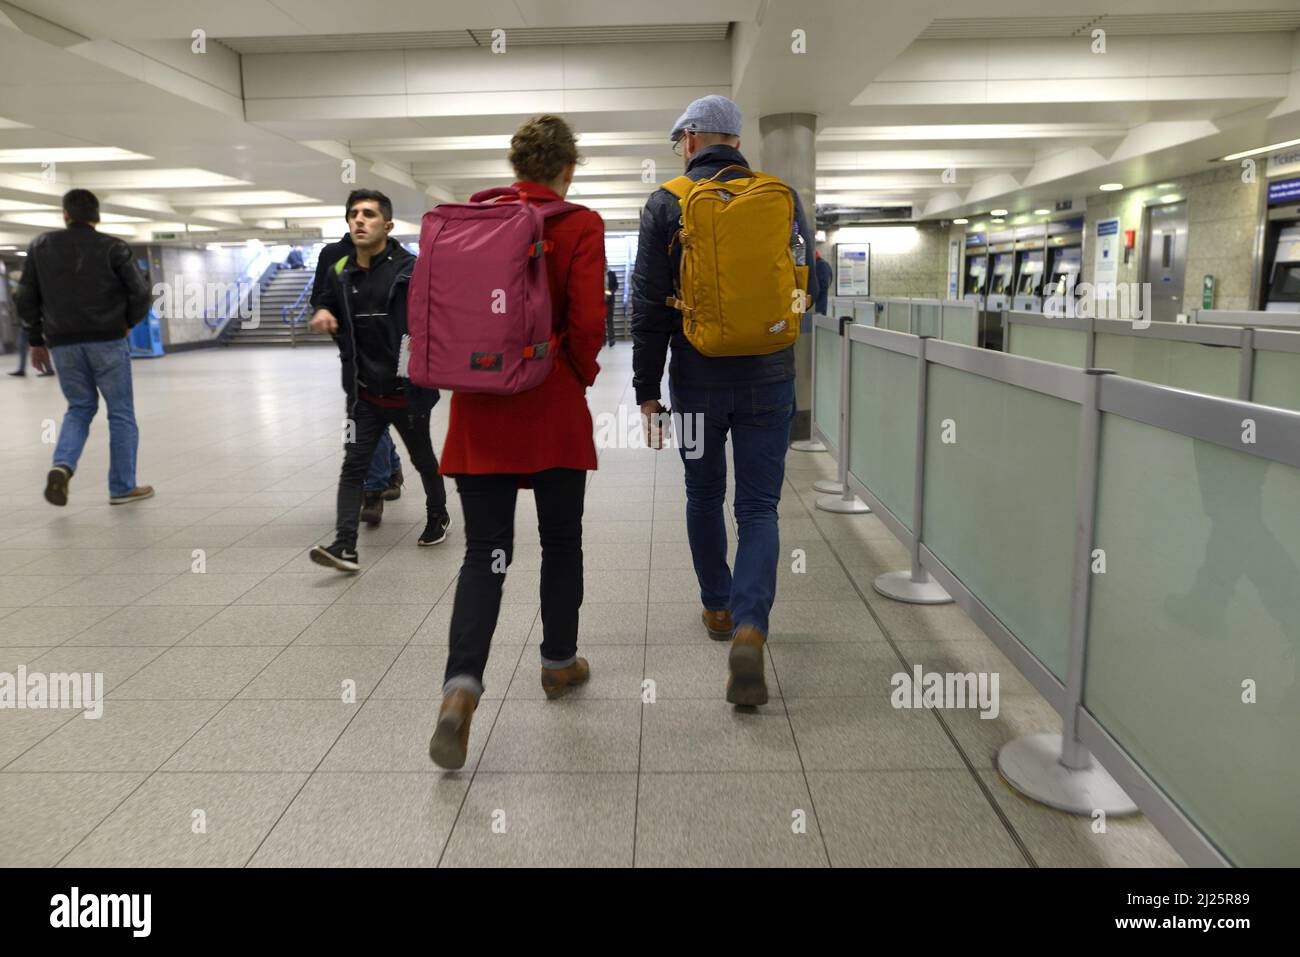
x: 709, y: 114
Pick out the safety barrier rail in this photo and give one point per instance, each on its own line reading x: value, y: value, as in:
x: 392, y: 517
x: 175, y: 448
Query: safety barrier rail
x: 952, y: 320
x: 1098, y: 528
x: 1239, y: 362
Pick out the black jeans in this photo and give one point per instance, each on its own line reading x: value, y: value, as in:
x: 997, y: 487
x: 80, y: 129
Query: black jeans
x: 369, y: 423
x: 609, y: 322
x: 488, y: 502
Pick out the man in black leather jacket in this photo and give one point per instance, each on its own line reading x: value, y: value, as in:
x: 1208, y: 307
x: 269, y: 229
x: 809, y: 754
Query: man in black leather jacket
x: 363, y: 306
x: 750, y: 398
x: 79, y: 297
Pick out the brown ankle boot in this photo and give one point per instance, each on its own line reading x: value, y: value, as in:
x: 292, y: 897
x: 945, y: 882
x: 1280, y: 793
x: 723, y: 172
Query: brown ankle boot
x: 718, y: 624
x: 746, y: 684
x: 450, y: 741
x: 556, y: 680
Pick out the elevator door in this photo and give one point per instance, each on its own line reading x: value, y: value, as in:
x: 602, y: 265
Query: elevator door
x: 1166, y: 264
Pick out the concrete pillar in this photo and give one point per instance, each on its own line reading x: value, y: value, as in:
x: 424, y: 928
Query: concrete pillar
x: 790, y: 152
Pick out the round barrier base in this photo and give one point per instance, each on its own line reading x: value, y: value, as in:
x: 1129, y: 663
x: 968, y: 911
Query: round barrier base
x: 1032, y: 765
x: 807, y: 445
x: 900, y: 587
x: 842, y: 506
x: 828, y: 487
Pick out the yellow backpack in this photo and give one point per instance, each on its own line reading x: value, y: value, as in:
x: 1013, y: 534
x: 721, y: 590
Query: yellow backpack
x: 739, y: 292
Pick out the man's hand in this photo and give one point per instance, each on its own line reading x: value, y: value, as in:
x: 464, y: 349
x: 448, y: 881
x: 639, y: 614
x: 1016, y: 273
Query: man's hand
x: 40, y: 357
x: 324, y: 321
x: 651, y: 409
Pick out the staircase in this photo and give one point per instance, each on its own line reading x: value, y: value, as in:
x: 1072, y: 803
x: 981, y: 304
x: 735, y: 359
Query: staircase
x: 287, y: 289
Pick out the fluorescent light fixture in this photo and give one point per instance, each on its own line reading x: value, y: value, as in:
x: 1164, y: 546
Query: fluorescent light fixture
x: 960, y: 222
x: 1171, y: 198
x: 1042, y: 212
x: 71, y: 154
x: 997, y: 212
x: 1262, y: 149
x: 1110, y: 187
x: 998, y: 222
x: 1165, y: 186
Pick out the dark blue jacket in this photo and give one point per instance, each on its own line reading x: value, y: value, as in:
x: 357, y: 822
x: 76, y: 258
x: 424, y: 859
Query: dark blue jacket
x: 655, y: 324
x: 824, y: 277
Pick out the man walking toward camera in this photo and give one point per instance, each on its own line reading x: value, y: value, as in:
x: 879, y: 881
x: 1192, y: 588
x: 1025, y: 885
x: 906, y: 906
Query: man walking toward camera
x: 79, y: 297
x: 731, y: 322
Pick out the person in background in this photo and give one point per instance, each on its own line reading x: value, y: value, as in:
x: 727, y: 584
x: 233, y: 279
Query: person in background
x: 749, y: 397
x: 363, y: 306
x: 824, y: 279
x: 79, y: 297
x: 384, y: 478
x: 541, y: 438
x: 294, y: 260
x: 23, y: 344
x: 611, y: 283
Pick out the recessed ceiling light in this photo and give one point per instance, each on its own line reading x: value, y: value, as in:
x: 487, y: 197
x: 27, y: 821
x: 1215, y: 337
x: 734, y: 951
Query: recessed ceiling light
x: 1165, y: 186
x: 1042, y: 212
x: 960, y: 222
x: 998, y: 222
x: 1171, y: 198
x: 1110, y: 187
x: 1262, y: 149
x: 998, y: 212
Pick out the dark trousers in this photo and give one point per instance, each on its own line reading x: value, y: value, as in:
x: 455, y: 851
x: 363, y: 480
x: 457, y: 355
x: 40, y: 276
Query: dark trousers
x: 369, y: 423
x: 609, y: 321
x: 488, y: 502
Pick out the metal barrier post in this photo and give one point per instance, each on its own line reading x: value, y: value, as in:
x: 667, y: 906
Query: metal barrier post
x: 1246, y: 377
x: 842, y: 501
x: 1058, y: 770
x: 916, y: 586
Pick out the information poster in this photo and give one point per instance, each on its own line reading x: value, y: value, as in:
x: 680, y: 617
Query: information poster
x: 1105, y: 271
x: 954, y: 267
x: 853, y: 269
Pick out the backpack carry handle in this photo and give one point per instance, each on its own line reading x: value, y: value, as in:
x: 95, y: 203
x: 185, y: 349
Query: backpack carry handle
x: 496, y: 192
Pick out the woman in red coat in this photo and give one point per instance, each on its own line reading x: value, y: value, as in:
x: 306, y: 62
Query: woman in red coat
x: 539, y: 439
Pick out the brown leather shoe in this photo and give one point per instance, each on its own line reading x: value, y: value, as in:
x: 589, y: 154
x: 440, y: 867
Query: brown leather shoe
x: 136, y: 494
x: 556, y: 680
x: 746, y: 684
x: 450, y: 742
x: 718, y: 624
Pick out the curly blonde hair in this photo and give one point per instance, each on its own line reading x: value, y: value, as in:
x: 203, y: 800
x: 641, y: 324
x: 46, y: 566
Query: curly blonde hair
x: 543, y: 148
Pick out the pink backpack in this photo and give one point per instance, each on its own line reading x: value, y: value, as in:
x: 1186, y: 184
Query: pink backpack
x: 479, y: 306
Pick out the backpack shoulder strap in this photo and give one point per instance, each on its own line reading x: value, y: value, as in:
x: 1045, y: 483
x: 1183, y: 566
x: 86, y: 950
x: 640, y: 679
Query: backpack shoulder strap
x: 557, y: 208
x: 679, y: 186
x: 340, y: 265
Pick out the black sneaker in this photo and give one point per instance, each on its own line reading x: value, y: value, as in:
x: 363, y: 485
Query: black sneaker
x: 56, y: 485
x: 372, y: 508
x: 435, y: 532
x: 394, y: 490
x: 337, y: 556
x: 19, y: 372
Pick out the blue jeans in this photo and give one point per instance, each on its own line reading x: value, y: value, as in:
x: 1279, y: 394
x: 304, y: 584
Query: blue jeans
x: 383, y: 464
x: 87, y: 370
x: 758, y: 418
x: 22, y: 348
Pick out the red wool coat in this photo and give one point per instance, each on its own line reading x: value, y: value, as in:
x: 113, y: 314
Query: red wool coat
x: 549, y: 426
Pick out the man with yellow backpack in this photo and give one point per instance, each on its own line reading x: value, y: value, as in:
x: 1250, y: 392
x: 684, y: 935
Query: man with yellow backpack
x: 722, y: 276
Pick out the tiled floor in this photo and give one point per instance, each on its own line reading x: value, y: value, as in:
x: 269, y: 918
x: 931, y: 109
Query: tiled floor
x: 268, y: 712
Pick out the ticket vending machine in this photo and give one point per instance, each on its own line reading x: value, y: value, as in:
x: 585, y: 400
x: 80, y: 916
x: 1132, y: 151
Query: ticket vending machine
x: 975, y: 286
x: 1281, y: 285
x: 1001, y: 280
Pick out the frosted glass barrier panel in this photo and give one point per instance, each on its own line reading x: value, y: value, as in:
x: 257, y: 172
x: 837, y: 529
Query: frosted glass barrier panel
x: 864, y: 313
x: 1277, y: 379
x: 882, y: 416
x: 1197, y: 614
x: 826, y: 401
x: 1213, y: 370
x: 1000, y: 473
x: 896, y: 317
x: 960, y: 324
x: 926, y: 318
x: 1068, y: 347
